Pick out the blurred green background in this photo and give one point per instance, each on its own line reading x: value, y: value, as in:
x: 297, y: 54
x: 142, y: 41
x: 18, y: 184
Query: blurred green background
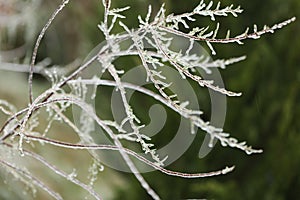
x: 266, y: 115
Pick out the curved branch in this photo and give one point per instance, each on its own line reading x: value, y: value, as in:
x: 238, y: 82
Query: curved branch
x: 34, y: 180
x: 37, y: 44
x: 59, y: 172
x: 132, y: 153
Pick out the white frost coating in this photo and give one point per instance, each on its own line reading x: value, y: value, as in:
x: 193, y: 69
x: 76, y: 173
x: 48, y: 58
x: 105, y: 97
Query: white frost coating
x: 152, y: 44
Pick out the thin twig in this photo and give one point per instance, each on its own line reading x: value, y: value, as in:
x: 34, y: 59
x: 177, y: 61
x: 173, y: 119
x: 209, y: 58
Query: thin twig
x: 58, y: 171
x: 37, y: 44
x: 130, y: 152
x: 34, y: 180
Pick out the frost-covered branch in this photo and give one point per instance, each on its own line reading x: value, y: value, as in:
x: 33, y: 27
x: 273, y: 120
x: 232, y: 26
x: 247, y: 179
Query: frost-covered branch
x: 32, y: 179
x: 152, y: 43
x: 67, y: 145
x: 37, y: 44
x: 204, y: 10
x: 200, y: 34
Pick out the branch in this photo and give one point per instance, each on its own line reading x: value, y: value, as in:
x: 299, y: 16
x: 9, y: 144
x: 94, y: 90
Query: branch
x: 34, y: 180
x: 130, y: 152
x: 37, y: 44
x: 58, y: 171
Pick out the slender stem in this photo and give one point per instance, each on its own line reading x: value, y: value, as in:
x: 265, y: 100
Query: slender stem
x: 33, y: 179
x: 37, y: 44
x: 130, y: 152
x: 58, y: 171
